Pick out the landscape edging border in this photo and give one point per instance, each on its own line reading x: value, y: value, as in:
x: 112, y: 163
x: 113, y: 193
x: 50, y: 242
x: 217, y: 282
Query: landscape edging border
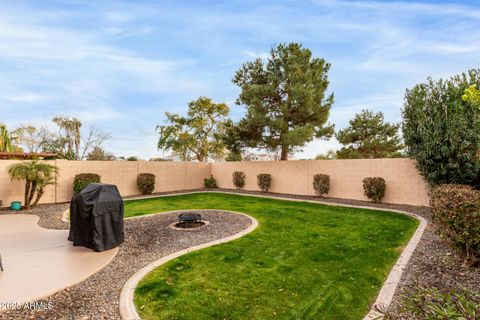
x: 383, y: 300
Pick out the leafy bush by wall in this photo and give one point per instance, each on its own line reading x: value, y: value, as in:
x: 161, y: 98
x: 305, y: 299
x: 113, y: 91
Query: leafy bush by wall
x: 264, y: 181
x: 374, y: 188
x: 146, y: 183
x: 238, y: 179
x: 321, y: 184
x: 456, y: 213
x: 441, y: 130
x: 82, y: 180
x: 210, y: 182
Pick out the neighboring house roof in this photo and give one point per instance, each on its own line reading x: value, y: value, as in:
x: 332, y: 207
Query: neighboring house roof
x: 26, y: 155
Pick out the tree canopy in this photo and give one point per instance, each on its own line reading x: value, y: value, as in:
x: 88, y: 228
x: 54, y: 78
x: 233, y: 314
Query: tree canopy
x: 286, y: 100
x: 70, y: 141
x: 99, y: 154
x: 199, y: 134
x: 369, y: 136
x: 441, y: 128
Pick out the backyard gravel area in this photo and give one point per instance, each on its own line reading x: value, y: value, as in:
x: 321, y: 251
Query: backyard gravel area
x: 433, y: 264
x: 147, y: 239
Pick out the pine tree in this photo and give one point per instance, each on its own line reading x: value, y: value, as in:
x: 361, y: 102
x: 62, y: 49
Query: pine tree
x: 286, y: 100
x: 369, y: 136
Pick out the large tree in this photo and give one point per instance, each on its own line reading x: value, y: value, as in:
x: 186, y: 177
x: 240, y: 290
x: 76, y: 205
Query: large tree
x: 199, y: 134
x: 33, y: 138
x: 441, y: 129
x: 369, y: 136
x: 286, y: 100
x: 71, y: 142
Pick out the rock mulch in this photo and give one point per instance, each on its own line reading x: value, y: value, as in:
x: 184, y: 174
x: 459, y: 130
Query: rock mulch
x: 434, y: 263
x: 146, y: 239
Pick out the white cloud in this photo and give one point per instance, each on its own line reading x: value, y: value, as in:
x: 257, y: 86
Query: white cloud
x: 131, y: 61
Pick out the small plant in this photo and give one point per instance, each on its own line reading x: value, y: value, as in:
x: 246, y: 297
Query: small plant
x: 146, y: 183
x: 82, y: 180
x: 210, y: 182
x: 431, y: 304
x: 456, y: 215
x: 238, y: 179
x: 321, y: 184
x: 374, y: 188
x: 264, y: 180
x: 37, y: 176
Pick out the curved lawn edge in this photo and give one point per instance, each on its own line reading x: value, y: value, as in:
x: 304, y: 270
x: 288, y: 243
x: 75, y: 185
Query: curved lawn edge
x: 127, y: 305
x: 383, y: 300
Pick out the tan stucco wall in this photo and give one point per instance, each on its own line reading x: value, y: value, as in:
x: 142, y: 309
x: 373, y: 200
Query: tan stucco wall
x: 404, y: 183
x: 169, y: 177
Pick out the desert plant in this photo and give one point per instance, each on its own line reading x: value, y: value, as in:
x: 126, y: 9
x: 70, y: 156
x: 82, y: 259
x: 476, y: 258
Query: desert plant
x: 374, y: 188
x: 82, y: 180
x: 456, y: 215
x: 210, y: 182
x: 264, y: 180
x: 146, y: 183
x: 5, y: 139
x: 321, y: 184
x: 432, y: 304
x: 37, y: 176
x: 238, y: 179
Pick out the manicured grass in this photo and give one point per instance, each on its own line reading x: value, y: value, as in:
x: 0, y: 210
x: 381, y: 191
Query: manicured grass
x: 304, y: 261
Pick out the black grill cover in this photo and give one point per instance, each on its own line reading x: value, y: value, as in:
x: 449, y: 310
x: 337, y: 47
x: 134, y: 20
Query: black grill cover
x: 96, y: 217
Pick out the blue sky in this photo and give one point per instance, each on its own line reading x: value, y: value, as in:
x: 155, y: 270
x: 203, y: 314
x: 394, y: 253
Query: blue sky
x: 122, y: 64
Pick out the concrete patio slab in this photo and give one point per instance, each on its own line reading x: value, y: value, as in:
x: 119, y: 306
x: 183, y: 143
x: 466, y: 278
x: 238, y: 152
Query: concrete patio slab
x: 39, y: 262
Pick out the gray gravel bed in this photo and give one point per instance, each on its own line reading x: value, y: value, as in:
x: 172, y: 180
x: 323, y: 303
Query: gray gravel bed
x: 146, y: 239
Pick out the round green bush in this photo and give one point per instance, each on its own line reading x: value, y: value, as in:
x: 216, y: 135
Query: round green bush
x: 264, y: 180
x: 321, y: 184
x: 146, y: 183
x: 210, y: 182
x: 82, y: 180
x: 456, y: 216
x: 238, y: 179
x: 374, y: 188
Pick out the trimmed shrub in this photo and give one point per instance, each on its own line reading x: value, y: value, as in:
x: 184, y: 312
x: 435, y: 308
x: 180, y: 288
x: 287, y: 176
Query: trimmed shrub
x: 238, y: 179
x: 374, y: 188
x: 82, y: 180
x: 146, y: 183
x: 456, y: 214
x: 264, y: 180
x: 321, y: 184
x: 210, y: 182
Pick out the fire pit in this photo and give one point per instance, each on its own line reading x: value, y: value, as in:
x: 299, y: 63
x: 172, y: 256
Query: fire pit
x: 189, y: 220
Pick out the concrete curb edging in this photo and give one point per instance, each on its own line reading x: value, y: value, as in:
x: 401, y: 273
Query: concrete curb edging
x: 383, y: 300
x: 127, y: 305
x: 387, y: 291
x: 65, y: 215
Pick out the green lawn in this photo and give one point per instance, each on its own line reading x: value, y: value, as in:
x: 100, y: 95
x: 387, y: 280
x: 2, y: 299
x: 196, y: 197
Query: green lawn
x: 304, y: 261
